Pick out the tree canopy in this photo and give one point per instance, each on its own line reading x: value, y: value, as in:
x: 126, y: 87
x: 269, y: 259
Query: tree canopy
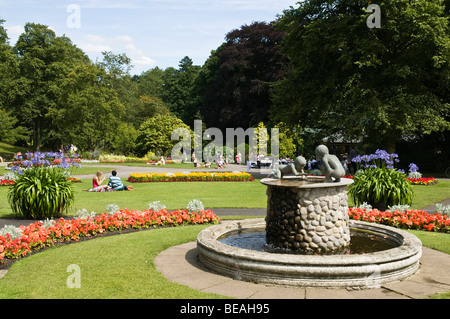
x: 319, y: 70
x: 380, y: 83
x: 234, y: 90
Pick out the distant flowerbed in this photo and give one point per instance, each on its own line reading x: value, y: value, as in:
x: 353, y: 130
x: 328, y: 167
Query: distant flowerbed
x: 37, y: 236
x: 415, y: 181
x: 5, y: 182
x: 422, y: 181
x: 410, y: 219
x: 191, y: 177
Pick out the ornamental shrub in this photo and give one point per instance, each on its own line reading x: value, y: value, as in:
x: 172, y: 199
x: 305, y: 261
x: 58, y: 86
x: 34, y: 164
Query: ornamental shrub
x: 380, y: 187
x: 195, y: 205
x: 12, y: 230
x: 156, y: 206
x: 41, y: 192
x: 111, y: 209
x: 443, y: 209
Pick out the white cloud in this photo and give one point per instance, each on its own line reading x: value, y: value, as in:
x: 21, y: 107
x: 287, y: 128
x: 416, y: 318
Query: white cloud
x: 14, y: 32
x: 95, y: 44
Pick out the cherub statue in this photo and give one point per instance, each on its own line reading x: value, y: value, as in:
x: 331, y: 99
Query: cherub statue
x: 295, y: 168
x: 329, y: 164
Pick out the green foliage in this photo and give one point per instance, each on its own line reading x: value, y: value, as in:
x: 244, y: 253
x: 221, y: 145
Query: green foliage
x: 155, y: 134
x: 10, y: 132
x: 87, y: 112
x: 350, y: 79
x: 233, y: 86
x: 178, y: 84
x: 41, y: 193
x: 123, y: 142
x: 44, y: 61
x: 380, y: 187
x: 287, y: 144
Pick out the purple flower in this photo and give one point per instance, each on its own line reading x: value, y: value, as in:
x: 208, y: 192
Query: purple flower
x: 413, y: 168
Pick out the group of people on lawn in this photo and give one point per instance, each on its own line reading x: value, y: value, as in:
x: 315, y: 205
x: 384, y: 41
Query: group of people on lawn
x: 114, y: 183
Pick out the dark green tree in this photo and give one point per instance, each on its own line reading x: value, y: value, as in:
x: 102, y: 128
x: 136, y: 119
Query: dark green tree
x: 376, y: 83
x: 87, y: 112
x: 44, y: 61
x: 236, y: 90
x: 155, y: 135
x: 10, y: 129
x: 178, y: 84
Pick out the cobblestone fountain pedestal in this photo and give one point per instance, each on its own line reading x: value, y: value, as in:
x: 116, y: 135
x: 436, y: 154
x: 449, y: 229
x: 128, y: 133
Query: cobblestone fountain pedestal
x: 308, y: 216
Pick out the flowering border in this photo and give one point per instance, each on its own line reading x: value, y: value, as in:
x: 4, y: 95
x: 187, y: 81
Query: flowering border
x: 36, y: 237
x: 192, y: 177
x: 6, y: 182
x: 410, y: 219
x: 427, y: 181
x: 423, y: 181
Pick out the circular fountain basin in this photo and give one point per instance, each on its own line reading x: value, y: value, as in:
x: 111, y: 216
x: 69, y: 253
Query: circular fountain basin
x: 368, y: 270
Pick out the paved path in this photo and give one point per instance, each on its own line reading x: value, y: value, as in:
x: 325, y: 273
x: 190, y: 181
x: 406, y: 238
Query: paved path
x: 180, y: 264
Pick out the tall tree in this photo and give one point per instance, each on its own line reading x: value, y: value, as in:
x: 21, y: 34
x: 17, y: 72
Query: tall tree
x: 87, y: 111
x: 178, y: 84
x: 44, y: 60
x: 10, y: 129
x: 378, y: 83
x: 117, y: 74
x: 239, y: 94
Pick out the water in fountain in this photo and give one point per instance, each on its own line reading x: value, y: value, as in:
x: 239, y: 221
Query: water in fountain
x: 255, y: 239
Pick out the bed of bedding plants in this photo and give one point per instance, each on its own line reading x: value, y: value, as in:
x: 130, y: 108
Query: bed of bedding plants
x: 190, y: 177
x: 17, y: 242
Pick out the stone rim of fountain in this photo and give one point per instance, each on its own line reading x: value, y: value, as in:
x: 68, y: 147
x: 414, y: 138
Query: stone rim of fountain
x: 357, y: 270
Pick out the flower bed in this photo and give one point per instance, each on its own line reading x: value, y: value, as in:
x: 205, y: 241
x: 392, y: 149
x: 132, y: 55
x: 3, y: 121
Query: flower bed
x: 36, y: 236
x: 414, y: 181
x: 191, y: 177
x: 5, y: 182
x: 422, y: 181
x: 74, y: 179
x: 410, y: 219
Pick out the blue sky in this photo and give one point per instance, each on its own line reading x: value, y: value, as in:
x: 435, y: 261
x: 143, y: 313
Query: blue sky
x: 151, y: 32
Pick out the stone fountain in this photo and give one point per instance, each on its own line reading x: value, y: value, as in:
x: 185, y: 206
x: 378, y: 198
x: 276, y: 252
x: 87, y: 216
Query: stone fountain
x: 308, y: 236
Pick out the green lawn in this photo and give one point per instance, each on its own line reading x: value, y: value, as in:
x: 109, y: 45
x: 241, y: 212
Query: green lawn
x: 7, y: 151
x: 176, y: 195
x: 114, y: 267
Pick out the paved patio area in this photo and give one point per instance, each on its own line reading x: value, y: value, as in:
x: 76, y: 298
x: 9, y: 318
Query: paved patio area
x: 180, y: 264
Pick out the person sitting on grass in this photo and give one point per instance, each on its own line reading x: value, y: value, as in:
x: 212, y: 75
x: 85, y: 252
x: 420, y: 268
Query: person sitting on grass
x: 116, y: 183
x: 97, y: 183
x: 161, y: 161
